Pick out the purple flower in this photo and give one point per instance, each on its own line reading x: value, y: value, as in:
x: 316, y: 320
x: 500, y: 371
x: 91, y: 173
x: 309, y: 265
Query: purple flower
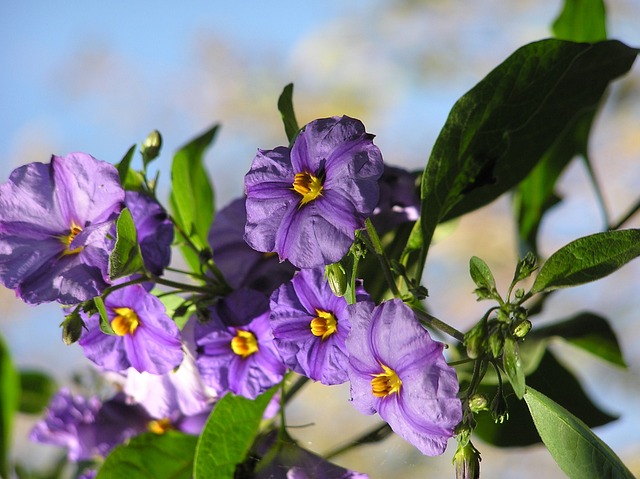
x: 399, y: 199
x: 397, y: 370
x: 242, y: 266
x: 235, y: 350
x: 86, y: 426
x: 305, y: 203
x: 284, y: 459
x: 310, y: 326
x: 54, y: 220
x: 154, y: 229
x: 146, y: 338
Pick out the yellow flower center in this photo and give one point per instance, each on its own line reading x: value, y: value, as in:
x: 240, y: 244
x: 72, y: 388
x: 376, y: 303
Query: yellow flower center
x: 324, y: 325
x: 385, y: 383
x: 308, y: 186
x: 244, y: 343
x: 160, y: 426
x: 125, y: 322
x: 66, y: 240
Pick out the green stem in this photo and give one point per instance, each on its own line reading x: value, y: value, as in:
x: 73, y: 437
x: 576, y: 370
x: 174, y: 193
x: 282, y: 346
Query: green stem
x: 382, y: 258
x: 634, y: 209
x: 376, y: 434
x: 295, y: 387
x: 180, y: 286
x: 438, y: 324
x: 596, y: 188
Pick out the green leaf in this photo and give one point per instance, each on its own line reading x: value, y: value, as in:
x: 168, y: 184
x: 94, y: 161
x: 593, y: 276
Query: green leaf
x: 152, y: 456
x: 498, y: 131
x: 588, y: 331
x: 105, y: 324
x: 576, y: 449
x: 9, y: 397
x: 36, y: 388
x: 555, y: 381
x: 285, y: 106
x: 482, y: 277
x: 588, y: 259
x: 192, y: 198
x: 513, y: 366
x: 131, y: 180
x: 228, y: 435
x: 126, y: 258
x: 581, y: 21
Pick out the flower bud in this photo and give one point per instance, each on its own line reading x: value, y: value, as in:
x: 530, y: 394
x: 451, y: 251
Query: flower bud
x: 475, y: 340
x: 521, y: 328
x: 150, y: 147
x: 337, y: 278
x: 467, y: 461
x: 478, y: 402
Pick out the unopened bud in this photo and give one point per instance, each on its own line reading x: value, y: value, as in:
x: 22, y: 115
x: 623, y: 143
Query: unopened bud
x: 476, y: 339
x: 467, y: 462
x: 150, y: 147
x: 478, y: 402
x: 521, y: 329
x: 337, y: 278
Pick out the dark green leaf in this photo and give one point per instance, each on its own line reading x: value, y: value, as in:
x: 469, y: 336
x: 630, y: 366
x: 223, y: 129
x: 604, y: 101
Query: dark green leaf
x: 513, y: 366
x: 498, y: 131
x: 192, y: 194
x: 588, y: 331
x: 581, y: 21
x: 36, y: 388
x: 228, y: 435
x: 105, y: 324
x: 555, y: 381
x: 588, y: 259
x: 126, y: 258
x: 576, y: 449
x: 285, y: 106
x: 9, y: 397
x: 151, y: 456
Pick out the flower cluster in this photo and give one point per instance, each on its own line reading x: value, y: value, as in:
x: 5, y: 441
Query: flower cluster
x: 304, y: 207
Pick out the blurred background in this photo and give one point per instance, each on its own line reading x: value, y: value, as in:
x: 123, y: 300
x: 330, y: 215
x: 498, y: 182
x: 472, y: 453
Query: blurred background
x: 99, y: 76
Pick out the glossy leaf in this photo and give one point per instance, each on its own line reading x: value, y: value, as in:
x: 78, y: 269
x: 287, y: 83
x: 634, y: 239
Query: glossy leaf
x: 105, y: 324
x: 9, y: 397
x: 285, y: 106
x: 498, y: 131
x: 576, y: 449
x: 151, y: 456
x: 588, y: 259
x: 36, y: 389
x: 588, y: 331
x: 129, y: 178
x: 581, y: 21
x: 192, y: 199
x: 126, y: 258
x: 228, y: 435
x: 482, y: 277
x: 554, y: 380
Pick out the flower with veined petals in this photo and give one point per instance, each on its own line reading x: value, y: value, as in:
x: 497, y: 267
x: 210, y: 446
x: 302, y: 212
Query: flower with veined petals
x: 235, y: 350
x: 146, y: 338
x: 310, y: 326
x: 398, y: 371
x: 54, y: 225
x: 399, y: 199
x: 305, y: 203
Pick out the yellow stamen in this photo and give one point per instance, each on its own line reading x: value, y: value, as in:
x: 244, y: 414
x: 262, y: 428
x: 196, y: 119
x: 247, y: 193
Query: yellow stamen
x: 160, y: 426
x: 324, y: 325
x: 308, y: 186
x: 244, y: 343
x: 66, y: 240
x: 385, y: 383
x: 125, y: 322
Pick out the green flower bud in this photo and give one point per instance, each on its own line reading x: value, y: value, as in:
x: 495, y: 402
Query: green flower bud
x: 478, y: 402
x: 337, y: 278
x: 521, y: 329
x: 476, y: 339
x: 72, y: 328
x: 499, y: 408
x: 467, y: 461
x: 496, y: 343
x: 150, y: 147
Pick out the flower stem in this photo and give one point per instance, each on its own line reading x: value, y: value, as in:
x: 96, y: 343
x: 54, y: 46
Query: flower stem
x: 382, y: 258
x: 295, y: 387
x: 378, y: 433
x: 632, y: 211
x: 438, y: 324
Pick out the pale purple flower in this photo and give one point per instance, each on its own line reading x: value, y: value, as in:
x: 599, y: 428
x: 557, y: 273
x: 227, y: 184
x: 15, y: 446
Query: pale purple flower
x: 146, y: 338
x: 399, y: 199
x: 241, y: 265
x: 310, y: 326
x: 305, y: 203
x: 235, y: 350
x: 54, y: 220
x: 86, y: 426
x: 154, y: 230
x: 398, y: 371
